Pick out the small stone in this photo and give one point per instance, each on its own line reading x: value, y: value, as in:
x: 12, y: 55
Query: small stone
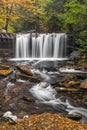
x: 76, y: 117
x: 28, y: 99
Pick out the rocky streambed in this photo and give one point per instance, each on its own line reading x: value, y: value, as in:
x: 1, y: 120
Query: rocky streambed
x: 37, y: 90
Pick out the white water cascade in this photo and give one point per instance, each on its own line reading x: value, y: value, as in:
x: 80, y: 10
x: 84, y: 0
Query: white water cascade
x: 41, y: 46
x: 45, y: 94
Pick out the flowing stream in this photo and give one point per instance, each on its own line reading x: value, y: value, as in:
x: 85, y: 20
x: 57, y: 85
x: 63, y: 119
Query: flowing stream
x: 45, y: 94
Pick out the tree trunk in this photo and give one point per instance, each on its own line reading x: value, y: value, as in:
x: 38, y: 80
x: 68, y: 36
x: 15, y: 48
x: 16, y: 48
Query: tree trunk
x: 6, y: 24
x: 7, y: 19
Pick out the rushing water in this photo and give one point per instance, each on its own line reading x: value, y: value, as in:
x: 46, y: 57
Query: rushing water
x: 47, y: 95
x: 44, y: 96
x: 42, y: 46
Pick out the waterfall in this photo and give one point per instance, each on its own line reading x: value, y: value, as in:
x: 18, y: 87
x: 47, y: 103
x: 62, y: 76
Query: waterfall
x: 22, y: 46
x: 41, y: 46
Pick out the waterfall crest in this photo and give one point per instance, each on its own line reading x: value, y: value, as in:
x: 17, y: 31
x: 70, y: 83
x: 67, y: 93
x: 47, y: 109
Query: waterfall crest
x: 41, y: 46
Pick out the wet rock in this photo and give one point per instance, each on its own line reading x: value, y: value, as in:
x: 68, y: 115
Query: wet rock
x: 18, y: 93
x: 26, y: 77
x: 69, y: 77
x: 73, y: 84
x: 3, y: 66
x: 27, y: 98
x: 19, y: 88
x: 81, y: 76
x: 9, y: 115
x: 58, y: 84
x: 24, y: 70
x: 5, y: 73
x: 69, y: 80
x: 76, y: 117
x: 83, y: 84
x: 51, y: 68
x: 3, y: 119
x: 11, y: 122
x: 21, y: 115
x: 69, y: 63
x: 13, y: 80
x: 75, y: 54
x: 63, y: 89
x: 85, y: 66
x: 1, y: 115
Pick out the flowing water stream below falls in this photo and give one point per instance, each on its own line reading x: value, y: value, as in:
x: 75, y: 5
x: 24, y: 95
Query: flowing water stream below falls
x: 46, y: 90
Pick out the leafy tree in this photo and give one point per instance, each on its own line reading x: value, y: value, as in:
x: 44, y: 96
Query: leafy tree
x: 53, y: 12
x: 74, y: 13
x: 9, y: 10
x: 34, y: 19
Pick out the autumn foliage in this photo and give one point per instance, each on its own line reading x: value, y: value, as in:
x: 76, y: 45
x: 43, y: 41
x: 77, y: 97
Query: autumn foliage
x: 10, y: 10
